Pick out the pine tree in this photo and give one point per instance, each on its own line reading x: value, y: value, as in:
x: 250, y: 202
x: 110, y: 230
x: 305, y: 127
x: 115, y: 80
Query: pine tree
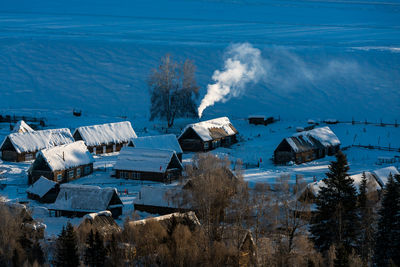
x: 100, y: 250
x: 336, y: 221
x: 367, y: 221
x: 387, y: 247
x: 66, y: 248
x: 90, y: 254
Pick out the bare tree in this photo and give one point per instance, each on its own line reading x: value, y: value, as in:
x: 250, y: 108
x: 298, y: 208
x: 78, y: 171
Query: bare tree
x: 173, y: 90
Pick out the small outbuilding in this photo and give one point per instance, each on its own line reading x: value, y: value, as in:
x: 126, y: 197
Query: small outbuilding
x: 102, y: 221
x: 105, y: 138
x: 260, y: 120
x: 62, y: 163
x: 165, y: 142
x: 79, y: 200
x: 148, y: 164
x: 43, y: 190
x: 208, y: 135
x: 24, y: 146
x: 307, y: 146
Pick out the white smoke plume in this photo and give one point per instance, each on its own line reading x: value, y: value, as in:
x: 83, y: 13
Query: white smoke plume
x: 243, y: 65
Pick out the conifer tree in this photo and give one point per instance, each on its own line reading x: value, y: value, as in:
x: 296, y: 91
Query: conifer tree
x: 367, y: 221
x: 100, y: 250
x: 335, y: 221
x: 387, y: 249
x: 66, y: 248
x: 90, y: 254
x: 342, y: 257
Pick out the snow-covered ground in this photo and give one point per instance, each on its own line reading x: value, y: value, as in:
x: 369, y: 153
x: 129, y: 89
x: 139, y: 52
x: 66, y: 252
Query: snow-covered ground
x: 257, y: 143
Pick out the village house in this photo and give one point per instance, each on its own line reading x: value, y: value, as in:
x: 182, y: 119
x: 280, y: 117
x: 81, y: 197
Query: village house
x: 260, y: 120
x: 165, y: 142
x: 105, y: 138
x: 307, y: 146
x: 24, y: 146
x: 101, y: 222
x: 79, y: 200
x: 43, y: 190
x: 208, y: 135
x: 148, y: 164
x: 160, y: 200
x: 62, y: 163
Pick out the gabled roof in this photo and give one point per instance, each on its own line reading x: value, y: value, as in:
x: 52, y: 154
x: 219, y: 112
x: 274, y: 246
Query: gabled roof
x: 22, y: 127
x: 307, y: 140
x: 145, y: 159
x: 180, y: 217
x: 166, y: 141
x: 41, y: 187
x: 212, y: 129
x: 382, y: 175
x: 83, y: 198
x: 67, y: 156
x: 37, y: 140
x: 117, y: 132
x: 100, y: 221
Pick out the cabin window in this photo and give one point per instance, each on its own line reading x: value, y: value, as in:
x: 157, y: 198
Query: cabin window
x: 136, y: 175
x: 104, y: 149
x: 206, y: 145
x: 59, y: 177
x: 29, y: 156
x: 87, y: 169
x: 71, y: 174
x: 114, y: 147
x: 94, y: 150
x: 124, y: 175
x: 78, y: 172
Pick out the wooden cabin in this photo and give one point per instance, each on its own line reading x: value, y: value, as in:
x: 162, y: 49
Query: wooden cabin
x: 105, y: 138
x: 260, y: 120
x: 101, y: 222
x: 307, y: 146
x: 24, y: 146
x: 148, y: 164
x: 43, y: 190
x: 165, y: 142
x: 62, y: 163
x: 208, y: 135
x: 79, y: 200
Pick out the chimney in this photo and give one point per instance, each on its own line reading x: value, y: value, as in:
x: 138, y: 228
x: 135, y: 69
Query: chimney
x: 63, y: 156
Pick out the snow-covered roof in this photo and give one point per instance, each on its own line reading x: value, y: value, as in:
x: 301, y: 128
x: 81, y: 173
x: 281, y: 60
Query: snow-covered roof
x: 166, y: 141
x: 93, y: 215
x: 67, y: 156
x: 178, y: 215
x: 37, y: 140
x: 41, y: 186
x: 212, y: 129
x: 306, y: 139
x: 84, y: 198
x: 22, y: 127
x: 382, y: 175
x: 145, y: 159
x: 118, y: 132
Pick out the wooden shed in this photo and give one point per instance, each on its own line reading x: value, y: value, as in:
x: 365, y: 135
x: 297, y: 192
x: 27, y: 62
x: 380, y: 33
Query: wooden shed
x: 79, y: 200
x: 24, y: 146
x: 208, y: 135
x: 105, y: 138
x: 43, y: 190
x: 165, y: 141
x: 62, y: 163
x: 307, y: 146
x: 148, y: 164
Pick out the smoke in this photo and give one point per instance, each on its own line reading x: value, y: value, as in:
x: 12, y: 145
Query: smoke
x: 243, y: 65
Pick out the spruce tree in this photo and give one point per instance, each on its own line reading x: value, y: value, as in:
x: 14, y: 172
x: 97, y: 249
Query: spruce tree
x: 342, y: 257
x: 335, y: 221
x: 66, y: 248
x: 90, y: 254
x: 99, y: 249
x: 367, y: 221
x: 387, y: 248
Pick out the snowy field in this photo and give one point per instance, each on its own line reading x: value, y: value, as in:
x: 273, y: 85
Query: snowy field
x: 257, y: 143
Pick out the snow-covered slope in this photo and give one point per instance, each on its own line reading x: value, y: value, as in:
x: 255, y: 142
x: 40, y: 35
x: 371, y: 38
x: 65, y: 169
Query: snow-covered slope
x: 323, y: 58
